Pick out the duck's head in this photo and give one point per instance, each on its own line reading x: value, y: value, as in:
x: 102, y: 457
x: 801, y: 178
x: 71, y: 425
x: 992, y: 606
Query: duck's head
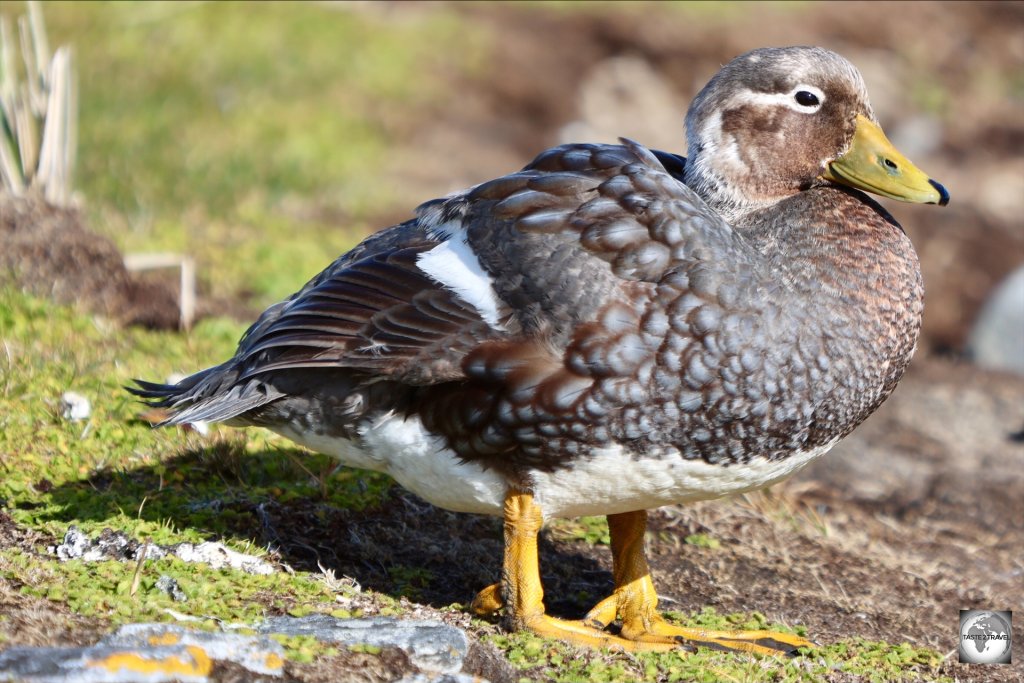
x: 777, y: 121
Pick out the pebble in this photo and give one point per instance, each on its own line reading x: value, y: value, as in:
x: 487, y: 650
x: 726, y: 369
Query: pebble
x: 169, y: 585
x: 115, y: 545
x: 217, y: 555
x: 997, y: 340
x: 74, y: 406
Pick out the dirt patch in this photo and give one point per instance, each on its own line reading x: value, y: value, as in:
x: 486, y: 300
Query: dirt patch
x: 27, y: 620
x: 33, y: 621
x: 49, y: 252
x: 13, y: 535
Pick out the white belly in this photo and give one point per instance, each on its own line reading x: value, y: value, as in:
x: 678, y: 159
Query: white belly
x: 607, y: 481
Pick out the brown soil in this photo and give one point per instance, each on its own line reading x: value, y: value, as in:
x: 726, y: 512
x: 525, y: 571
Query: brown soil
x: 26, y: 620
x: 49, y: 252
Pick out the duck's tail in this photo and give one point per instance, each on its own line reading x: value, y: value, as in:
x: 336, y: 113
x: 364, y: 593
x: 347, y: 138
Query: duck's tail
x: 211, y: 395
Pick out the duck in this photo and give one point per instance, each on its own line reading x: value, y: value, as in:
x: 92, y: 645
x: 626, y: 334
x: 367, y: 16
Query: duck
x: 609, y: 330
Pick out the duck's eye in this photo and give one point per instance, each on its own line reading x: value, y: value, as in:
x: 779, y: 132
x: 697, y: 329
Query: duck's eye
x: 807, y: 99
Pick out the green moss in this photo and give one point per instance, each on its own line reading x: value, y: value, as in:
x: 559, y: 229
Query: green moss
x: 103, y: 589
x: 114, y: 470
x: 703, y: 541
x: 592, y: 530
x: 305, y: 649
x: 865, y: 660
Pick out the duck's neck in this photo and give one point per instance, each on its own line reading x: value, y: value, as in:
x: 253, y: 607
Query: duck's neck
x: 727, y: 185
x: 836, y: 239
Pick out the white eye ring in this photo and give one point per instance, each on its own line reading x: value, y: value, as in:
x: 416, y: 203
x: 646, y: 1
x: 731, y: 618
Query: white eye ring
x: 806, y: 99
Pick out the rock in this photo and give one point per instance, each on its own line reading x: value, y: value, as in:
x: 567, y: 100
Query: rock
x: 74, y: 546
x: 109, y: 545
x: 257, y: 654
x: 997, y: 339
x: 218, y: 555
x: 170, y: 586
x: 115, y: 545
x: 105, y: 664
x: 74, y: 406
x: 431, y: 645
x: 440, y: 678
x: 143, y: 652
x: 154, y: 653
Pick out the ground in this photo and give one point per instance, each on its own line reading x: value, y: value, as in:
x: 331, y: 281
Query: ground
x: 915, y: 516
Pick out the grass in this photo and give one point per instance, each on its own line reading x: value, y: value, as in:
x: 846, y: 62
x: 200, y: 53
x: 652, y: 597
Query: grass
x: 857, y: 659
x: 115, y: 471
x: 51, y: 466
x: 202, y: 124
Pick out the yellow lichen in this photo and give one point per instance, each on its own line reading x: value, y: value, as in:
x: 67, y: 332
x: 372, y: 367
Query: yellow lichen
x: 200, y: 664
x: 165, y: 639
x: 273, y: 661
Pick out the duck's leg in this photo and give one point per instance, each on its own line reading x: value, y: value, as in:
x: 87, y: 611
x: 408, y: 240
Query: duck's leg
x: 522, y: 596
x: 636, y: 601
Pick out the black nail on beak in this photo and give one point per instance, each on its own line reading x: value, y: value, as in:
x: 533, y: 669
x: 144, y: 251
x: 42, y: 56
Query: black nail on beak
x: 943, y: 195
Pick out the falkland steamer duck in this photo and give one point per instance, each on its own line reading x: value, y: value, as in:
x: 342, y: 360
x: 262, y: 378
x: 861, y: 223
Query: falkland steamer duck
x: 609, y: 330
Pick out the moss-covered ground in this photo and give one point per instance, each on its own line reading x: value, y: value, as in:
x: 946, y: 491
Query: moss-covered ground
x: 113, y: 470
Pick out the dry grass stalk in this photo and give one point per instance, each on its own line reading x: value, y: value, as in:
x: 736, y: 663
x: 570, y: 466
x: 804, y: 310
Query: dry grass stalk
x: 46, y: 100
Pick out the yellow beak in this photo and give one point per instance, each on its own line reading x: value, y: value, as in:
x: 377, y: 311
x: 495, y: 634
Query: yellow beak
x: 872, y: 164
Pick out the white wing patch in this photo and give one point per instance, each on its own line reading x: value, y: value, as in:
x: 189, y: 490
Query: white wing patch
x: 453, y: 265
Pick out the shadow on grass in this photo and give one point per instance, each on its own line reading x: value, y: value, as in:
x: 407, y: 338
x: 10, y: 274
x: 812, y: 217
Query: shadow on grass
x: 311, y: 513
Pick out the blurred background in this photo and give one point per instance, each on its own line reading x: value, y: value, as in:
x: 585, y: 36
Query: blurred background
x: 265, y: 139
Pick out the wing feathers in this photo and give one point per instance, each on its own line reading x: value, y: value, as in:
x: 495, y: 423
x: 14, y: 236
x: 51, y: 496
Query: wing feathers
x: 543, y: 251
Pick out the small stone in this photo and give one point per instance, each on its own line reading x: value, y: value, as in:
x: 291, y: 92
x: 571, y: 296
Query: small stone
x: 440, y: 678
x: 170, y: 586
x: 217, y: 555
x: 116, y: 545
x: 997, y: 340
x: 74, y: 406
x: 74, y: 546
